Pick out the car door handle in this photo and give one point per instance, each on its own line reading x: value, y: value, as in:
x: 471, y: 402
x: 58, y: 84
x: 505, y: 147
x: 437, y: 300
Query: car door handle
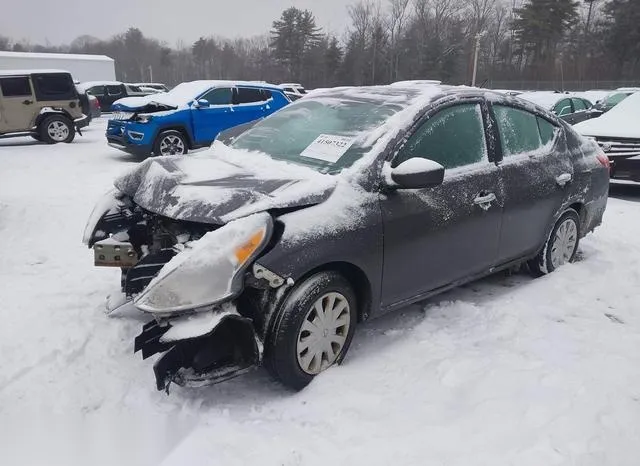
x: 484, y: 200
x: 27, y: 102
x: 563, y: 179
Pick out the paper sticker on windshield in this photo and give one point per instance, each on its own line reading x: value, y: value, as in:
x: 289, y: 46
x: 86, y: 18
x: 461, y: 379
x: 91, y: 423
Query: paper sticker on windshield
x: 328, y: 147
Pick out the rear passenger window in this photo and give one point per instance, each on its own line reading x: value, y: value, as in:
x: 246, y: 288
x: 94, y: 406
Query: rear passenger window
x: 54, y: 87
x: 519, y: 131
x: 578, y: 105
x: 15, y: 87
x: 220, y: 96
x: 547, y: 131
x: 245, y: 95
x: 114, y: 90
x: 453, y: 137
x: 96, y: 90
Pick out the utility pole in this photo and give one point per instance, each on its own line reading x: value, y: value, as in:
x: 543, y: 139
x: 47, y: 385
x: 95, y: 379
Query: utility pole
x: 150, y: 73
x: 475, y: 60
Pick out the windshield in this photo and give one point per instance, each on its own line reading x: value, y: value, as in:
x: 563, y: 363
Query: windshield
x: 615, y: 99
x: 326, y: 134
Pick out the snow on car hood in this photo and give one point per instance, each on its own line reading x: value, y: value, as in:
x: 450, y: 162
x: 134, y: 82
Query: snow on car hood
x: 619, y: 122
x: 221, y: 185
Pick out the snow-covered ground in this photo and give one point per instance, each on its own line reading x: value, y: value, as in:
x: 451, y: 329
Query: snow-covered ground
x: 506, y: 371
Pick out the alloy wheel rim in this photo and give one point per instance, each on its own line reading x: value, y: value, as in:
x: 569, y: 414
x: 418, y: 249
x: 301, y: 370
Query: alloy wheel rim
x: 58, y: 131
x: 171, y: 145
x: 323, y: 333
x: 565, y: 243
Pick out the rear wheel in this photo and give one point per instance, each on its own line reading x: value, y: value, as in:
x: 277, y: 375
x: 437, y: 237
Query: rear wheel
x: 56, y: 128
x: 312, y: 329
x: 561, y: 247
x: 170, y: 142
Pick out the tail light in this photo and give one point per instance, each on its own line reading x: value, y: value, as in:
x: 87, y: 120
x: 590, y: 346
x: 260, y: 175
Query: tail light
x: 603, y: 159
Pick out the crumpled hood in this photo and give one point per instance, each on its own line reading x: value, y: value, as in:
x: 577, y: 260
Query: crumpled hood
x: 151, y: 102
x: 217, y: 190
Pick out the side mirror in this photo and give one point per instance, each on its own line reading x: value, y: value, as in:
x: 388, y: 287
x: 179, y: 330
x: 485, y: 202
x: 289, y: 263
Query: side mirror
x: 417, y: 173
x: 202, y: 103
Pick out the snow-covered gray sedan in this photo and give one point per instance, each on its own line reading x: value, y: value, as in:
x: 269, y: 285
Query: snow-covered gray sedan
x: 347, y: 204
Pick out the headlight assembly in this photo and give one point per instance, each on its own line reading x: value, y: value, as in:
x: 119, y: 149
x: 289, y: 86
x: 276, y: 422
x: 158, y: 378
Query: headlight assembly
x: 209, y: 270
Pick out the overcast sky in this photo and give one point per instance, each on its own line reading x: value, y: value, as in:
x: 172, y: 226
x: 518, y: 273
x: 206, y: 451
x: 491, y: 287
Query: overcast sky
x: 60, y: 22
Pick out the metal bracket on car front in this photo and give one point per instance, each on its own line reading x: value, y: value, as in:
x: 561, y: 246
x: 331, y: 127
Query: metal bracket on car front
x: 274, y: 280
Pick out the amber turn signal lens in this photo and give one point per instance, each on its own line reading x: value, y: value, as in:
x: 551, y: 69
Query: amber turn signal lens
x: 243, y: 252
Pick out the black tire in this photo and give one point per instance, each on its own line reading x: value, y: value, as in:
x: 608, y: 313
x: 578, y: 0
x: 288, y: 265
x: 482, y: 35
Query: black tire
x: 36, y: 136
x: 543, y: 264
x: 281, y: 355
x: 56, y: 128
x: 175, y: 139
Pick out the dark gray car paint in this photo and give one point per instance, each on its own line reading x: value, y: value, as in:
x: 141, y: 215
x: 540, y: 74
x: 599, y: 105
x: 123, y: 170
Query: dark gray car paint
x: 424, y: 251
x: 409, y: 244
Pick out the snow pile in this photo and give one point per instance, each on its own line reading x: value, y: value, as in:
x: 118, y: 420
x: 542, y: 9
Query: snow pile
x: 505, y: 371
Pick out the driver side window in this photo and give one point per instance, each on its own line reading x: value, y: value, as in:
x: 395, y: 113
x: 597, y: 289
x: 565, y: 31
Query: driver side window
x: 453, y: 137
x: 219, y: 96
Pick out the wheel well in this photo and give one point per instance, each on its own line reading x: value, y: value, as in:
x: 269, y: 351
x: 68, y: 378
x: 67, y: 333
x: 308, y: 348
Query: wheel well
x: 44, y: 115
x: 579, y: 207
x: 358, y: 280
x: 180, y: 129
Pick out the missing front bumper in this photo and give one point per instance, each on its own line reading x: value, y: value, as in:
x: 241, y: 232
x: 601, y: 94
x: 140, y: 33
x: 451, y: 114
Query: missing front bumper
x: 230, y: 349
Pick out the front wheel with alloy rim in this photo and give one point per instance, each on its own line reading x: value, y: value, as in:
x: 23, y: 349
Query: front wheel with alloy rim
x: 170, y: 142
x: 56, y: 128
x: 312, y: 330
x: 561, y: 246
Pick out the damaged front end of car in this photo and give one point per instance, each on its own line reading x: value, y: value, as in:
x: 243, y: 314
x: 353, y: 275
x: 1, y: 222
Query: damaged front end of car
x: 188, y: 277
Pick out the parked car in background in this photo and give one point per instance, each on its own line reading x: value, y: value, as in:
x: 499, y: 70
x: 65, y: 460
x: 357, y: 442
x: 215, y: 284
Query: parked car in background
x: 43, y: 104
x: 89, y: 104
x: 189, y: 116
x: 107, y: 92
x: 293, y: 90
x: 612, y: 99
x: 347, y: 204
x: 157, y: 86
x: 618, y: 134
x: 94, y: 107
x: 571, y: 108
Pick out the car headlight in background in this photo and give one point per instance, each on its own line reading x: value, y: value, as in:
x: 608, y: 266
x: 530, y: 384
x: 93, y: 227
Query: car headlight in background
x: 209, y: 270
x: 109, y: 203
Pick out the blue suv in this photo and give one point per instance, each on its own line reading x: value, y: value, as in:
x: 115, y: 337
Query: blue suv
x: 189, y: 116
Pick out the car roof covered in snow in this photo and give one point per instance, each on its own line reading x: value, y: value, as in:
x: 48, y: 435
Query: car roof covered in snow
x: 28, y: 72
x: 184, y: 93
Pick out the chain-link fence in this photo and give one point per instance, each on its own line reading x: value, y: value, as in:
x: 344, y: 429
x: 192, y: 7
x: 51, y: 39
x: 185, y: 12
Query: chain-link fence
x: 560, y: 85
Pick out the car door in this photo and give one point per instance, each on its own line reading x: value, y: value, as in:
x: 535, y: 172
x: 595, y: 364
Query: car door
x: 16, y: 104
x: 535, y: 174
x: 580, y: 112
x: 564, y: 110
x: 209, y: 119
x: 434, y: 237
x: 248, y: 105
